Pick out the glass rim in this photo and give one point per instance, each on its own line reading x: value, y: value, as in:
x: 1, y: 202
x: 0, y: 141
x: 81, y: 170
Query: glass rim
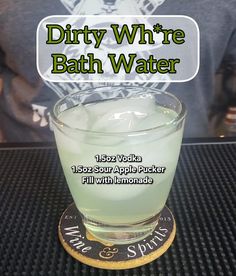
x: 180, y: 115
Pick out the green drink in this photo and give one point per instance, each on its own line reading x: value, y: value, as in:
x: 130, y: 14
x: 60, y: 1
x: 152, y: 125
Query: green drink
x: 119, y: 156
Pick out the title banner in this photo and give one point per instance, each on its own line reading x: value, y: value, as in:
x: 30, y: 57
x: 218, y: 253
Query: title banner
x: 117, y: 48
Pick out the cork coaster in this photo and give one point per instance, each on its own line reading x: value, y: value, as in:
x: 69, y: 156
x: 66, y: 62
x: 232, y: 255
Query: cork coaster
x: 84, y: 247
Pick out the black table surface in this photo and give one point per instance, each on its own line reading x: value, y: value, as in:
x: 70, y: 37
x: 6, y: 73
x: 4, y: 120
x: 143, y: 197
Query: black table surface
x: 33, y: 195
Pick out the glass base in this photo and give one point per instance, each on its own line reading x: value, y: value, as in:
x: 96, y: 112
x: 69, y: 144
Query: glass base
x: 121, y: 234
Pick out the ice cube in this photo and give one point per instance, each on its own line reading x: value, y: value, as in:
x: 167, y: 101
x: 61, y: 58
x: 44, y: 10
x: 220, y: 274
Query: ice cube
x: 121, y: 115
x: 157, y: 117
x: 76, y: 117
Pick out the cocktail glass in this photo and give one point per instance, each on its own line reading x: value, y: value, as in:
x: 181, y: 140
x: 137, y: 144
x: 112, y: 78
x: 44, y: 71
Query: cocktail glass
x: 119, y: 147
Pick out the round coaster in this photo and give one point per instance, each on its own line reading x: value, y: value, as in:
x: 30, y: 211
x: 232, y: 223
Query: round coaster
x: 80, y: 244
